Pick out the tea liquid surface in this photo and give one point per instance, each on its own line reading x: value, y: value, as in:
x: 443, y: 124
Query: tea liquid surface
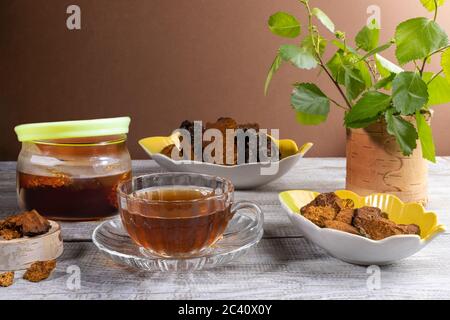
x: 183, y: 222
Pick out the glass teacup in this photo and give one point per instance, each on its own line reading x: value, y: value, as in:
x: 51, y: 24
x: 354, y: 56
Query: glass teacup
x: 178, y: 214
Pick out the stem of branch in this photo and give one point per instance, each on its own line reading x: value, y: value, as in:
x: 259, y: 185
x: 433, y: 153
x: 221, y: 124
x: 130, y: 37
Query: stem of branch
x: 439, y: 50
x: 435, y: 76
x: 347, y: 102
x: 321, y: 63
x: 422, y: 69
x: 372, y: 71
x: 338, y: 104
x: 435, y: 10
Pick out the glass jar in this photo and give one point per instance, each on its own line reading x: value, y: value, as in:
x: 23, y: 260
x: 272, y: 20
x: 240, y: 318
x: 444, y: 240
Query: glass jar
x: 74, y: 177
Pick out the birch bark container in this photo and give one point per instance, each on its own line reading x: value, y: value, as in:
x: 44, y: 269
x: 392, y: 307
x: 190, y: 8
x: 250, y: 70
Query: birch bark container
x: 375, y: 164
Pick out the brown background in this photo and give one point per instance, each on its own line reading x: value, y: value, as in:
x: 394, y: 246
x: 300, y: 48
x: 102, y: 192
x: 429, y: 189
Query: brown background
x: 163, y: 61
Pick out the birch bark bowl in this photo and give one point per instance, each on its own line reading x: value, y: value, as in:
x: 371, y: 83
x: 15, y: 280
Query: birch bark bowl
x: 19, y: 254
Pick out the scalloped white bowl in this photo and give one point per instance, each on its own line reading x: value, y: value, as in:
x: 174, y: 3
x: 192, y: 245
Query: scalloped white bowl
x: 244, y: 176
x: 357, y: 249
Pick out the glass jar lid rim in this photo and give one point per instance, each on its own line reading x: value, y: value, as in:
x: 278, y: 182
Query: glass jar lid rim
x: 72, y: 129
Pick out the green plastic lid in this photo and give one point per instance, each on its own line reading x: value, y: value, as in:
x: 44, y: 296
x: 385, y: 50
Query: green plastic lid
x: 72, y: 129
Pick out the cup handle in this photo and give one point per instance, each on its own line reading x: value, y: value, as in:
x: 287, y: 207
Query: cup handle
x: 254, y: 210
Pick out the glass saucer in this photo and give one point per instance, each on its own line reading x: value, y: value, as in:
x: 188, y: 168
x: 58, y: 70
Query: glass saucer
x: 243, y: 232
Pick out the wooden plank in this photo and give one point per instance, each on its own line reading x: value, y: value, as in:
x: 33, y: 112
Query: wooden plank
x: 320, y: 174
x: 283, y: 268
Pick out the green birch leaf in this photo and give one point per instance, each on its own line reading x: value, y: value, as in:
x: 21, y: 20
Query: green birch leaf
x: 276, y: 64
x: 403, y: 131
x: 336, y: 66
x: 284, y: 25
x: 377, y: 50
x: 367, y: 39
x: 300, y: 57
x: 409, y: 93
x: 426, y: 138
x: 385, y: 82
x: 308, y: 98
x: 347, y: 73
x: 430, y: 4
x: 367, y: 109
x: 340, y: 45
x: 445, y: 63
x: 365, y: 73
x: 309, y: 119
x: 417, y: 38
x: 438, y: 89
x: 303, y: 57
x: 308, y: 44
x: 354, y: 83
x: 326, y: 21
x: 386, y: 67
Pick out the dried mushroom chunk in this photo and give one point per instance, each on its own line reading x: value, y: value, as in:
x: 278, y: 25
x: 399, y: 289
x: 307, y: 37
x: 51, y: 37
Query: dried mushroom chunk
x: 167, y: 151
x: 410, y: 229
x: 377, y: 228
x: 341, y: 226
x: 318, y: 215
x: 28, y: 223
x: 345, y: 216
x: 327, y: 210
x: 6, y: 279
x: 222, y: 124
x: 325, y: 200
x: 229, y: 151
x: 9, y: 234
x: 39, y: 270
x: 370, y: 211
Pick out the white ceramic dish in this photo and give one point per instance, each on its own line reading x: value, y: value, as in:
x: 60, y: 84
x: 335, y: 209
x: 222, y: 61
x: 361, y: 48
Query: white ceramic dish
x: 245, y: 176
x: 357, y: 249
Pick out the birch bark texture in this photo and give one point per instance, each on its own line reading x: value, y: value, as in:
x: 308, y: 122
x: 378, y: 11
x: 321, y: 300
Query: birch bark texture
x: 375, y: 164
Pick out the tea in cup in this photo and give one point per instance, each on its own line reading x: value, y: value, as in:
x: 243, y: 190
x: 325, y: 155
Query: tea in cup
x: 178, y: 214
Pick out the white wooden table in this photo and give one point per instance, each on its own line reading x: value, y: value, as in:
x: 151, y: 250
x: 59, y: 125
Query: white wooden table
x: 284, y: 265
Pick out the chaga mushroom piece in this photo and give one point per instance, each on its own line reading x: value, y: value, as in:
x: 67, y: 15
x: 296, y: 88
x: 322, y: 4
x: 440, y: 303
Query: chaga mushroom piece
x: 318, y: 215
x: 375, y: 227
x: 8, y: 234
x: 342, y: 226
x: 39, y: 270
x: 246, y: 126
x: 345, y: 216
x: 410, y: 229
x: 373, y: 212
x: 189, y: 126
x: 324, y: 200
x: 167, y: 151
x: 222, y: 124
x: 28, y: 223
x: 6, y: 279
